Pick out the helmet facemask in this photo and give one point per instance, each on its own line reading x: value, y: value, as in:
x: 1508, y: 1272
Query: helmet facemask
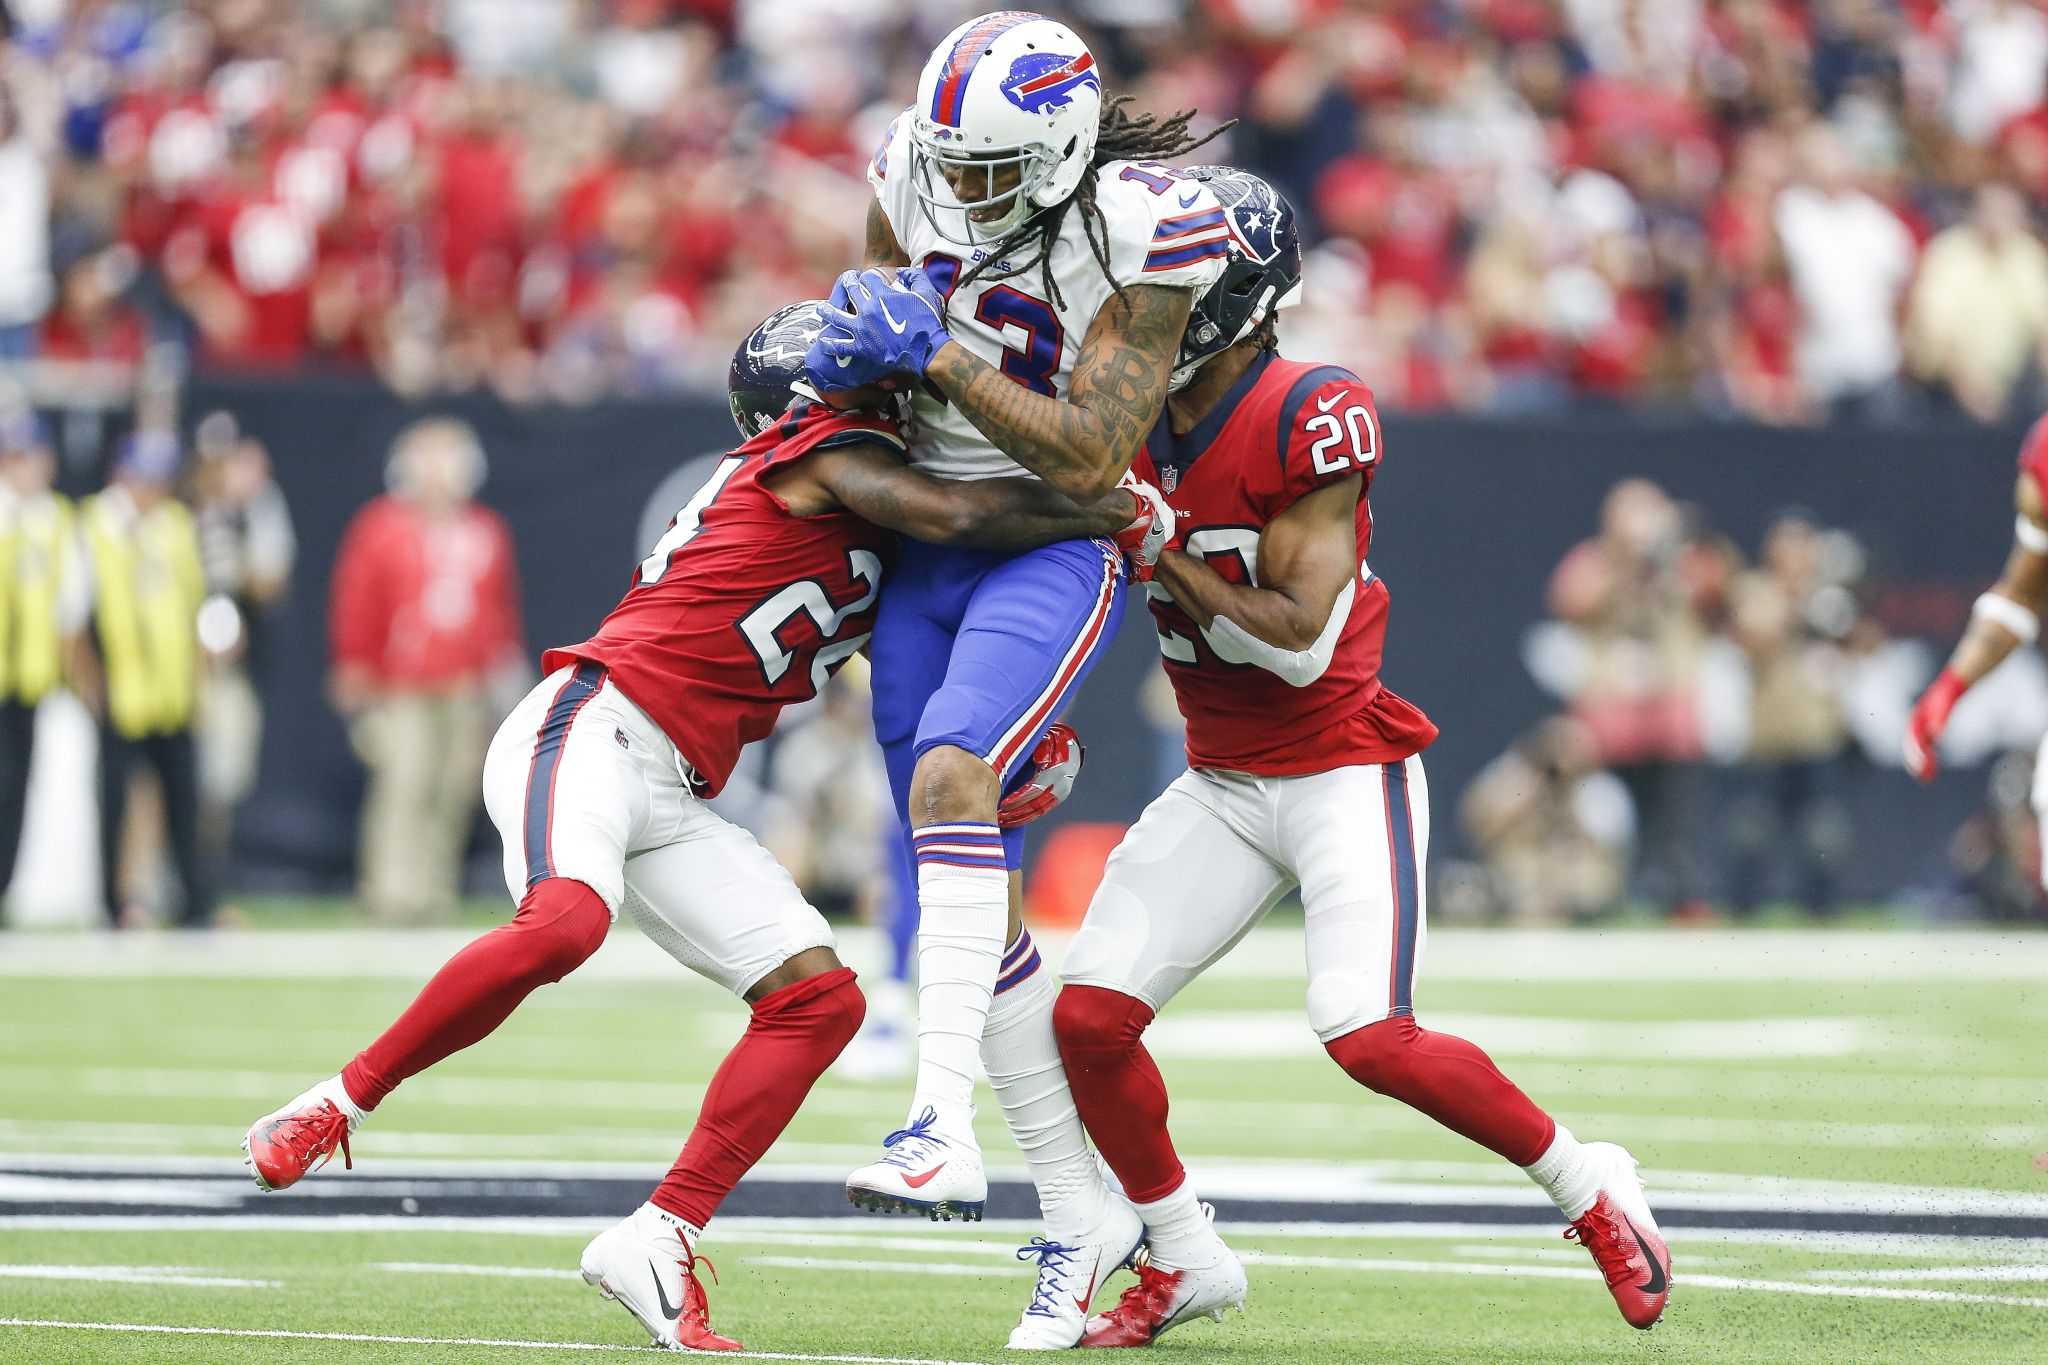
x: 935, y: 149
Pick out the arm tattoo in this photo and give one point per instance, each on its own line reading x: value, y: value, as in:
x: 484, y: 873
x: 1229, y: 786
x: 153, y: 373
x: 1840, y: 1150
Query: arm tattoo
x: 1084, y: 444
x: 881, y: 248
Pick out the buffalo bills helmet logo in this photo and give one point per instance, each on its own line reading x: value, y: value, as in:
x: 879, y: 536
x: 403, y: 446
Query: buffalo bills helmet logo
x: 1041, y: 81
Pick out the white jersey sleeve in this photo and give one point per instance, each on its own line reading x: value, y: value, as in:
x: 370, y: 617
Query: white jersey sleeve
x: 1163, y: 227
x: 889, y: 173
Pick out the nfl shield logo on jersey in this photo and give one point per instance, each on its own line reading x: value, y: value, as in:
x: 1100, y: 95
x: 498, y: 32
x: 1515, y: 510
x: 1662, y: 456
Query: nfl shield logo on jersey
x: 1169, y: 477
x: 1039, y: 81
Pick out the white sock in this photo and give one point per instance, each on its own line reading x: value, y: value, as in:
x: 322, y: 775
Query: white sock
x: 1564, y: 1175
x: 333, y: 1089
x: 655, y: 1224
x: 1181, y: 1235
x: 963, y: 897
x: 1023, y: 1062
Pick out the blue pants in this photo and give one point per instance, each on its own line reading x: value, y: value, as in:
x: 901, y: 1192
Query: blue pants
x: 982, y: 650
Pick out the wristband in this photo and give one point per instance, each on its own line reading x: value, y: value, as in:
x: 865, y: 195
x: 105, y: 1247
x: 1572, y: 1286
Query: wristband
x: 2031, y: 537
x: 2008, y: 615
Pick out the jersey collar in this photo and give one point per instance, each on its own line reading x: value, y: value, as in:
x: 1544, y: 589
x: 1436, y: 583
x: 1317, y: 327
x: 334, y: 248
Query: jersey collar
x: 1177, y: 453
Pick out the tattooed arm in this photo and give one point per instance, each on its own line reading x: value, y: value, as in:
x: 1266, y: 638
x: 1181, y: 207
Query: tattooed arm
x: 1081, y: 445
x: 881, y: 248
x: 874, y: 484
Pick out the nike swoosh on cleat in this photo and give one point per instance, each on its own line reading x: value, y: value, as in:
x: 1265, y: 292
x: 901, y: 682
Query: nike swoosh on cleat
x: 918, y: 1182
x: 1094, y: 1282
x: 1321, y: 406
x: 1656, y: 1283
x: 668, y: 1310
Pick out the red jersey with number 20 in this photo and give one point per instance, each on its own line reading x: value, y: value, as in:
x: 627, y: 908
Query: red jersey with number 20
x: 743, y: 607
x: 1283, y: 430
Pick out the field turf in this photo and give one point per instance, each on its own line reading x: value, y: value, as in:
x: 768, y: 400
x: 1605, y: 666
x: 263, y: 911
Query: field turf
x: 1840, y: 1129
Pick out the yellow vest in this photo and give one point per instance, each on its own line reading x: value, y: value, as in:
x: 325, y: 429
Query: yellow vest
x: 34, y: 544
x: 147, y: 589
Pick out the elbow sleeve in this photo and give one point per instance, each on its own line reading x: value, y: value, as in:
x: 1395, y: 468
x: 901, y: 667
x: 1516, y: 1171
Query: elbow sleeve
x: 1295, y: 667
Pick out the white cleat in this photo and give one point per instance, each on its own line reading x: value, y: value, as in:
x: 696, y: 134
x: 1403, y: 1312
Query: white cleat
x: 659, y: 1288
x: 1069, y: 1274
x: 1164, y: 1298
x: 922, y: 1172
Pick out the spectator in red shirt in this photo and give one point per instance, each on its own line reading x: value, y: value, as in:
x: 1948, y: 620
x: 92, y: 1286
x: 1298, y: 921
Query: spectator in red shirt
x: 424, y: 617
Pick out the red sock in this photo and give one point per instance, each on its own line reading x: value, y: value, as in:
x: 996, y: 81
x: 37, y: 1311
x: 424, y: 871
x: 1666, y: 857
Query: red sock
x: 1117, y: 1087
x: 1448, y: 1079
x: 558, y: 927
x: 795, y: 1034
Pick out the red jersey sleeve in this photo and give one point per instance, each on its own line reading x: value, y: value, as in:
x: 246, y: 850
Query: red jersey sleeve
x: 2034, y: 457
x: 1329, y: 430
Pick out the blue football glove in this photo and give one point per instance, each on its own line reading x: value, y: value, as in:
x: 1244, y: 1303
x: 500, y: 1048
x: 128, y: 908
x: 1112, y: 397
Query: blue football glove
x: 828, y: 372
x: 895, y: 322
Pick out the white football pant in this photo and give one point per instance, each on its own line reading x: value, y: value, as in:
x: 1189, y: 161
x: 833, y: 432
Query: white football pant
x: 582, y: 784
x: 1217, y: 850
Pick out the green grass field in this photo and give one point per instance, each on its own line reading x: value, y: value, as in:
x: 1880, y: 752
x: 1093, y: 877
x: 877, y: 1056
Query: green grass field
x: 1844, y: 1084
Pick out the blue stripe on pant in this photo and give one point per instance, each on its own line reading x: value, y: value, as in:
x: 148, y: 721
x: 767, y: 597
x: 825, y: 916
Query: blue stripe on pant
x: 1407, y: 886
x: 582, y: 685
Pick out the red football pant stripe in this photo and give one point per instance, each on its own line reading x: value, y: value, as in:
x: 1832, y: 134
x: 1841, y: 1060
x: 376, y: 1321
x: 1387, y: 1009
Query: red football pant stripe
x: 557, y: 928
x: 1448, y: 1079
x: 1117, y: 1087
x: 795, y: 1034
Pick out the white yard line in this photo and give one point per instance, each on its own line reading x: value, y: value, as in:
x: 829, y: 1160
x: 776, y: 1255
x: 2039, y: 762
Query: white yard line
x: 151, y: 1329
x: 1901, y: 1274
x: 134, y: 1274
x: 496, y: 1272
x: 850, y: 1232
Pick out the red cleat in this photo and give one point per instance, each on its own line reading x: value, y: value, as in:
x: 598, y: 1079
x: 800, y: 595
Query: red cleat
x: 1162, y: 1299
x: 282, y: 1148
x: 1624, y: 1241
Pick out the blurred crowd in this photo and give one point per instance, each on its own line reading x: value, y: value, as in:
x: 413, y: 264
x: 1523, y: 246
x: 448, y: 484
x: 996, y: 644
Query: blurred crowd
x: 1748, y: 207
x: 1717, y: 713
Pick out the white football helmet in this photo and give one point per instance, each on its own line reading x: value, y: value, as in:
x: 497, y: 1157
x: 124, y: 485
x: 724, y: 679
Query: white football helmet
x: 1011, y: 88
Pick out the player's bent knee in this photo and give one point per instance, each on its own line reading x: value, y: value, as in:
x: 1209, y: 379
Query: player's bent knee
x: 810, y: 963
x: 1378, y: 1056
x: 566, y: 921
x: 827, y: 1005
x: 1089, y: 1019
x: 950, y: 783
x: 1341, y: 1001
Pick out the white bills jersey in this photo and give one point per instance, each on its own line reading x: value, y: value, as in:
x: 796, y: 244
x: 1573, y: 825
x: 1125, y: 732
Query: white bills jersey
x: 1162, y: 227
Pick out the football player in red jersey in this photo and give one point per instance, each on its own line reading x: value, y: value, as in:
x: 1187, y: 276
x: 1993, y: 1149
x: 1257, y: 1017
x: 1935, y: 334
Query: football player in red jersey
x: 1305, y: 773
x: 2003, y: 619
x: 763, y: 585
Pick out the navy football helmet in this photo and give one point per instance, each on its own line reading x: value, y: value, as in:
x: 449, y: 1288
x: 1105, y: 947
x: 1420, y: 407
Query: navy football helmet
x: 770, y: 361
x: 1263, y: 276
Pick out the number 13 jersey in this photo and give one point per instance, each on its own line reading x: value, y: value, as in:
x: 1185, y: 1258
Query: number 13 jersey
x: 1283, y: 430
x: 743, y: 607
x: 1161, y: 228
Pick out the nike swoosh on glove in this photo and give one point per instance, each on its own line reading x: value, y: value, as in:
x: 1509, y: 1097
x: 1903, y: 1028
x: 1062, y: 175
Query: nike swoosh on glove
x: 891, y: 325
x: 1149, y: 533
x: 834, y: 370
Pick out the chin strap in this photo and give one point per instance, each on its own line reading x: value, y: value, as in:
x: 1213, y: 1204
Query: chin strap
x: 1295, y: 667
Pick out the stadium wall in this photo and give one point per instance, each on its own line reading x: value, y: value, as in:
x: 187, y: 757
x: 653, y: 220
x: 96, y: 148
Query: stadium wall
x: 1472, y: 518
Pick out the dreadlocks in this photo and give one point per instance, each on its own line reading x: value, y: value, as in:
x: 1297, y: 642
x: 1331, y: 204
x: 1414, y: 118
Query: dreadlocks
x: 1122, y: 137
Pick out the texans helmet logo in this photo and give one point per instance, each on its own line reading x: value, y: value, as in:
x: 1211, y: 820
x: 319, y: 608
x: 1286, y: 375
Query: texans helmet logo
x: 1042, y: 81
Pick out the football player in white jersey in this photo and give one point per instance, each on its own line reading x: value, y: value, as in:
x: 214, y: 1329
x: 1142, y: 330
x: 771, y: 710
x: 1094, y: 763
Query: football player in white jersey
x: 1045, y: 265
